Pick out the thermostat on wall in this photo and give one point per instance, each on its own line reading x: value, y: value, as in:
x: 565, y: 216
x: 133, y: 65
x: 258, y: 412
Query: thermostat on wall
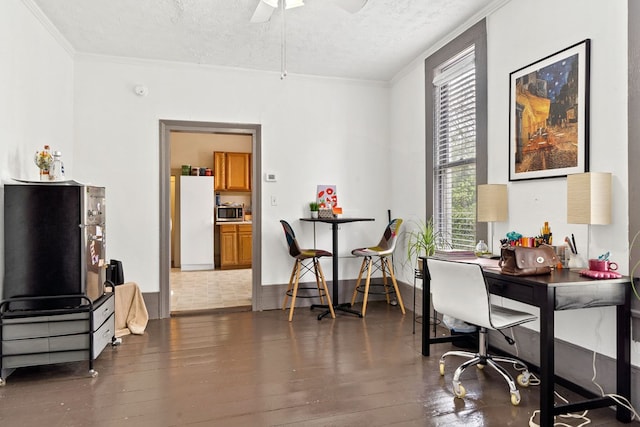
x: 270, y: 177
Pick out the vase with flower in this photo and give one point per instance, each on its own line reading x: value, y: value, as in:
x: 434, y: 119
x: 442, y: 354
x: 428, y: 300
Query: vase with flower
x: 44, y: 161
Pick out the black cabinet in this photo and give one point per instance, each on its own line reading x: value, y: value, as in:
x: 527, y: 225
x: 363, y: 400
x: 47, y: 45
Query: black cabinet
x: 54, y: 242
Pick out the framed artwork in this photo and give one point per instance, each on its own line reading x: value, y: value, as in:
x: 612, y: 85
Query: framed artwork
x: 327, y: 196
x: 549, y: 115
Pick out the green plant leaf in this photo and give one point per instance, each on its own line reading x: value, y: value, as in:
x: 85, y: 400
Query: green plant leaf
x: 423, y: 240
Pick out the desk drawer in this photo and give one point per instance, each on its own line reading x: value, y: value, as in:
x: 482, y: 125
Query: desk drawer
x: 520, y: 292
x: 589, y: 295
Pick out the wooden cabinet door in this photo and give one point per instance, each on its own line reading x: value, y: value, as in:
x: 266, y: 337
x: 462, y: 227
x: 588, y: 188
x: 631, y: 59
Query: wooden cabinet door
x: 238, y: 171
x: 219, y: 170
x: 244, y: 244
x: 228, y: 246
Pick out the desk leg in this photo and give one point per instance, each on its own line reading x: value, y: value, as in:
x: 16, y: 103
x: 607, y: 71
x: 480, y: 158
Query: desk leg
x: 334, y: 237
x: 547, y: 363
x: 426, y: 307
x: 336, y: 304
x: 623, y: 354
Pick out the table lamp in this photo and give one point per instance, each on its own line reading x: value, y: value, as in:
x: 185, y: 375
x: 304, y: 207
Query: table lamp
x: 492, y: 205
x: 589, y: 200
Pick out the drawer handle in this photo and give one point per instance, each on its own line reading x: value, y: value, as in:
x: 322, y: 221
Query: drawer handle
x: 106, y: 333
x: 106, y: 310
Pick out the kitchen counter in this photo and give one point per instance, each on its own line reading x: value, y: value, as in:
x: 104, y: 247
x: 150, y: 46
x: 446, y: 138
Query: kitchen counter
x: 233, y: 222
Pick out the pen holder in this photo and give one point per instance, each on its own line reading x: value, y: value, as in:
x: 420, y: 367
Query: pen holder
x: 576, y: 262
x: 562, y: 252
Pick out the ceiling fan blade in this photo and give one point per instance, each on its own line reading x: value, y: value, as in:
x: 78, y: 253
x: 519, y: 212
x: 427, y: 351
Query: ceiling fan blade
x: 263, y: 12
x: 351, y: 6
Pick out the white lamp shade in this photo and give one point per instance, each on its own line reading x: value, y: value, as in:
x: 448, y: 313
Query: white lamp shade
x: 492, y: 203
x: 290, y: 4
x: 589, y: 198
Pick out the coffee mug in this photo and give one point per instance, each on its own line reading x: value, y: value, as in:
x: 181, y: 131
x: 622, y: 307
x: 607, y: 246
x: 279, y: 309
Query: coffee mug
x: 602, y: 265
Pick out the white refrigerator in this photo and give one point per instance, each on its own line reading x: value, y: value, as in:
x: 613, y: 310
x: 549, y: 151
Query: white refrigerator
x: 196, y: 223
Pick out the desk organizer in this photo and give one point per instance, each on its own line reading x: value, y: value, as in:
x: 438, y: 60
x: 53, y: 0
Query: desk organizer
x: 325, y: 213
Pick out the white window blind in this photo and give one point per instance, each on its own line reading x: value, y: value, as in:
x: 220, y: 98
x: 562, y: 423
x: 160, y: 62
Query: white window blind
x: 454, y: 162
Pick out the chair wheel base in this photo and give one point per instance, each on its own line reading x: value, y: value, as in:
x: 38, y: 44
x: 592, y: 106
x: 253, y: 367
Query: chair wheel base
x: 515, y: 398
x: 459, y: 391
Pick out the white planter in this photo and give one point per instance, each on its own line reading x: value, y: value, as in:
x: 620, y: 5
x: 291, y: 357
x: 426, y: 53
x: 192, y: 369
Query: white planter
x: 314, y: 214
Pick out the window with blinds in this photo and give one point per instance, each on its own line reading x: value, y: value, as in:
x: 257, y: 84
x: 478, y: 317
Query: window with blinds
x: 454, y: 151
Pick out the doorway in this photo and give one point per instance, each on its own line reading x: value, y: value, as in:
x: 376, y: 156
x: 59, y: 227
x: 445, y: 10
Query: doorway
x: 168, y: 126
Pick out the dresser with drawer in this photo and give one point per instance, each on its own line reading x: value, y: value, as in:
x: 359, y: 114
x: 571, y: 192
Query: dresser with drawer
x: 43, y: 337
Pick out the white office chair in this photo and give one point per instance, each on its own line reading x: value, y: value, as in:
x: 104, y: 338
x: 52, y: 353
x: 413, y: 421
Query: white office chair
x: 459, y: 290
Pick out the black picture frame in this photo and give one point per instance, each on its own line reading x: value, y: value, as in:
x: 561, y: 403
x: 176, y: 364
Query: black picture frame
x: 549, y: 115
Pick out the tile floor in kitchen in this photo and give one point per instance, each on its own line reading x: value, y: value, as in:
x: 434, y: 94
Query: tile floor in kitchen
x: 211, y: 289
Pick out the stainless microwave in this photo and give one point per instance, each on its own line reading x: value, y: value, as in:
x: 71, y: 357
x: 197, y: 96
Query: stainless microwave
x: 229, y: 213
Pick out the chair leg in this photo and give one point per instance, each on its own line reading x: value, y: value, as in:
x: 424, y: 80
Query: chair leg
x: 286, y: 294
x: 385, y: 283
x: 395, y: 286
x: 507, y: 377
x: 366, y: 286
x: 435, y: 320
x: 482, y: 358
x: 326, y: 291
x: 295, y: 290
x: 355, y: 290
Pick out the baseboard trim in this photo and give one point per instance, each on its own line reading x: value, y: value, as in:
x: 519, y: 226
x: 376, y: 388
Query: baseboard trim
x: 152, y: 301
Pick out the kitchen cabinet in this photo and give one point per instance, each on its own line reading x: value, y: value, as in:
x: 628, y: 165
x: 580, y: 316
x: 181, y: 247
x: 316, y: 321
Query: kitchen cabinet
x: 232, y: 171
x: 235, y: 246
x: 244, y: 244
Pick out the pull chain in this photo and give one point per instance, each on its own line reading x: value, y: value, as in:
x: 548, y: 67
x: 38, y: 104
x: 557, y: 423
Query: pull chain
x: 283, y: 44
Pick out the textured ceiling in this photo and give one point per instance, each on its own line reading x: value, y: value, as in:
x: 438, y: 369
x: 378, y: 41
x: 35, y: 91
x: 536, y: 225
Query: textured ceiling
x: 321, y: 38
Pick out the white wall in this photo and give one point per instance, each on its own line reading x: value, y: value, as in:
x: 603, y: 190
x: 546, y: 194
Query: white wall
x: 407, y: 112
x: 517, y: 35
x: 314, y: 131
x: 36, y: 83
x: 532, y: 203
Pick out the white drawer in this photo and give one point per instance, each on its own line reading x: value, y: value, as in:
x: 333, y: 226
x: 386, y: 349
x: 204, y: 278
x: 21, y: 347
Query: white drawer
x: 103, y: 311
x: 38, y: 329
x: 103, y: 335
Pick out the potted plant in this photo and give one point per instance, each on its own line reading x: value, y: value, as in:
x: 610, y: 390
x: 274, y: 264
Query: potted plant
x: 313, y: 207
x: 423, y: 240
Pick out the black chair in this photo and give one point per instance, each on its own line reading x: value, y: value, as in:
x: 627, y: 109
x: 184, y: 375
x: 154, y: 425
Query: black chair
x: 306, y: 260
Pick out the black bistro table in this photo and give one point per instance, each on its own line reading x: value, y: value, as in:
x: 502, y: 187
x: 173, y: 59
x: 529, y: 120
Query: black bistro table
x: 335, y: 222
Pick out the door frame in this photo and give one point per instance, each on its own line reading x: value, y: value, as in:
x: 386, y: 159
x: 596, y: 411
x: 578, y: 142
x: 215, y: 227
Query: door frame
x: 166, y: 127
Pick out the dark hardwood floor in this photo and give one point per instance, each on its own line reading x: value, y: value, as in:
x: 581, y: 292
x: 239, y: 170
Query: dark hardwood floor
x: 257, y: 369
